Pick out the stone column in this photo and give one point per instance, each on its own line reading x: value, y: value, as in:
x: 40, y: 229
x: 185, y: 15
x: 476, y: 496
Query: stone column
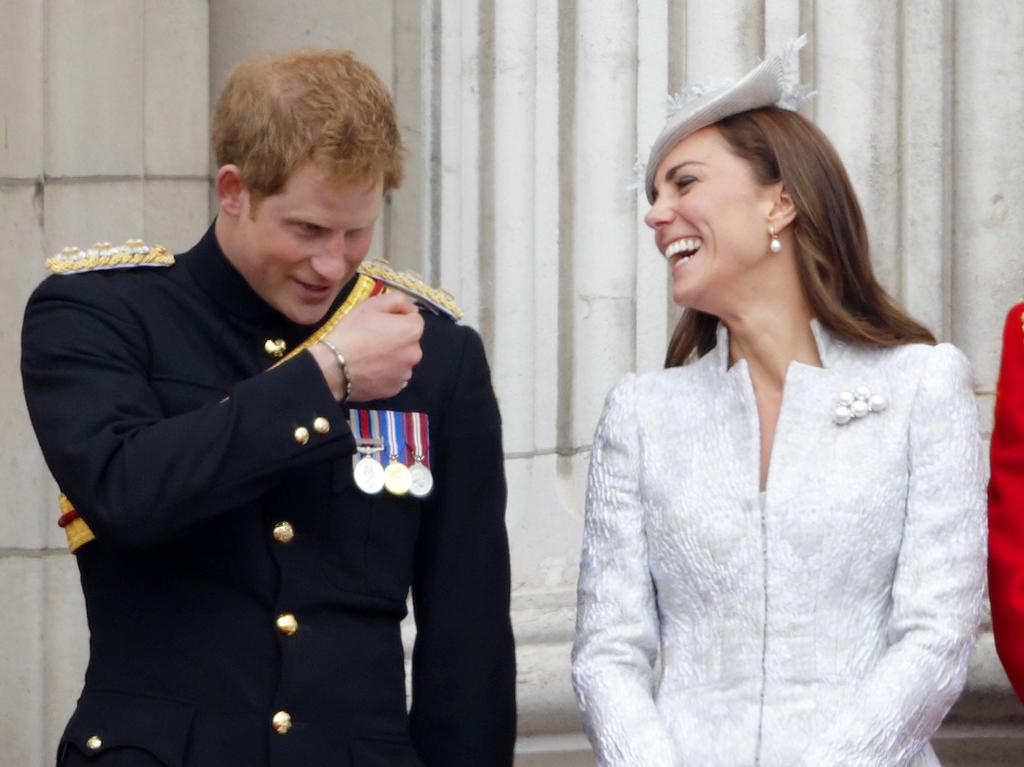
x: 984, y: 202
x: 925, y: 145
x: 654, y: 56
x: 451, y: 195
x: 860, y: 114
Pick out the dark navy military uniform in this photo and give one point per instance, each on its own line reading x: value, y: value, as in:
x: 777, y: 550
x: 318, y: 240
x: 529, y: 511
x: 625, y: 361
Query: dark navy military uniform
x: 237, y: 573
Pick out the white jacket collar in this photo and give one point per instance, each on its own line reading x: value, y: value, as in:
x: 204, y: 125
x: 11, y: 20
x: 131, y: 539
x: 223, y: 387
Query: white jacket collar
x: 828, y: 345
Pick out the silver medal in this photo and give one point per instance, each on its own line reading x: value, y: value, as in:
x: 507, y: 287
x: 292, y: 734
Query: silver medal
x: 367, y: 472
x: 369, y: 475
x: 422, y: 480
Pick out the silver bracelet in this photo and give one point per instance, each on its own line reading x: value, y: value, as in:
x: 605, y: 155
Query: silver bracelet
x: 342, y: 366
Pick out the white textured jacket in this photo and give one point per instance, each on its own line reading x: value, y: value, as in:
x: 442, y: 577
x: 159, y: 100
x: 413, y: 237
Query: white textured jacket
x: 830, y: 625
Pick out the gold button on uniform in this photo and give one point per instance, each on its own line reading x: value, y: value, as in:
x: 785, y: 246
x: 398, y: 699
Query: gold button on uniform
x: 94, y: 743
x: 282, y: 722
x: 301, y: 435
x: 283, y: 532
x: 321, y: 425
x: 275, y: 347
x: 287, y: 624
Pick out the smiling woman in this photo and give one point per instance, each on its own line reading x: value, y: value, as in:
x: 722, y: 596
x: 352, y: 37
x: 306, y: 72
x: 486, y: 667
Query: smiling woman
x: 831, y: 252
x: 707, y: 217
x: 780, y: 514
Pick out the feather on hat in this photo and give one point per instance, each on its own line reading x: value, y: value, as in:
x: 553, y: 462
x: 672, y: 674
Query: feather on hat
x: 770, y: 83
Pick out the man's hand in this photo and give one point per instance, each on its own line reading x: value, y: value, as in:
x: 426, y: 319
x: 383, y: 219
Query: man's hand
x: 380, y: 340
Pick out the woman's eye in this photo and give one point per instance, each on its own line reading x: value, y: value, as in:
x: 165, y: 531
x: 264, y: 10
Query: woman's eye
x: 684, y: 182
x: 307, y: 228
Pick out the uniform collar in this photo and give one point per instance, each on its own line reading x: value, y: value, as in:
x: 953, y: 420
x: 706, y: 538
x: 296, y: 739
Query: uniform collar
x: 226, y: 287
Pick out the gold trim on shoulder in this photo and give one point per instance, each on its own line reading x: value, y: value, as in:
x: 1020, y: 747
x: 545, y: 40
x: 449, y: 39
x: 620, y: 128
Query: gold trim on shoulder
x: 412, y: 284
x: 103, y: 255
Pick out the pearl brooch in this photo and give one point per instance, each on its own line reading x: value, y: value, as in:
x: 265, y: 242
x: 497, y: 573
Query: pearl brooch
x: 857, y: 404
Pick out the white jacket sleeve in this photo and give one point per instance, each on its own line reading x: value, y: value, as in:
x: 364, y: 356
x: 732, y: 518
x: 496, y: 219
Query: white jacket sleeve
x: 617, y: 617
x: 937, y: 587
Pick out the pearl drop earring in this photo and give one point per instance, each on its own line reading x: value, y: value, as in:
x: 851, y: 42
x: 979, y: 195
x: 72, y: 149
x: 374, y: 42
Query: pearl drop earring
x: 776, y: 244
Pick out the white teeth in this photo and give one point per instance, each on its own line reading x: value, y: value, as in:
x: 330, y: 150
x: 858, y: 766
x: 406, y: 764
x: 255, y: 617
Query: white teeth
x: 685, y: 245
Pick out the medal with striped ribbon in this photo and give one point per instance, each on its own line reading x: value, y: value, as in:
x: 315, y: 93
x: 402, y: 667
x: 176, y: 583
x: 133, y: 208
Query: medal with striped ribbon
x: 366, y: 468
x: 422, y: 477
x: 397, y: 479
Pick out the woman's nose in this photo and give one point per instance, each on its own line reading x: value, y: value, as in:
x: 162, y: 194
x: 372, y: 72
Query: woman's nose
x: 658, y: 215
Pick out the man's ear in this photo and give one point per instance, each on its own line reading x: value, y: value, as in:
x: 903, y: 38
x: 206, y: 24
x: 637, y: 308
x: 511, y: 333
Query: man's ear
x: 783, y: 209
x: 231, y: 191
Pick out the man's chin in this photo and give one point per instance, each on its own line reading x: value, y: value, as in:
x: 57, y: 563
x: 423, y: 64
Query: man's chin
x: 307, y: 314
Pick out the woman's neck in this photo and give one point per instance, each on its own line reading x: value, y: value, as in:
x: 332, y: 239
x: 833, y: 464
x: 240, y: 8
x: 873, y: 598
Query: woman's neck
x: 771, y: 335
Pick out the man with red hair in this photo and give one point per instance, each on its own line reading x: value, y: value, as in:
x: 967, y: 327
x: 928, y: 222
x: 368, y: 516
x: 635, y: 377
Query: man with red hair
x: 261, y: 458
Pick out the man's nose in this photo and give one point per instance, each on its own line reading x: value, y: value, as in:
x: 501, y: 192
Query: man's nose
x: 331, y: 263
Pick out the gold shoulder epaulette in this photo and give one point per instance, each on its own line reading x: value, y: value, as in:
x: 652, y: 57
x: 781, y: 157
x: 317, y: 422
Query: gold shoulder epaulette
x: 103, y: 255
x: 413, y: 284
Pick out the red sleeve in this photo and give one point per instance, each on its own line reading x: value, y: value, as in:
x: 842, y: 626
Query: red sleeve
x: 1006, y: 505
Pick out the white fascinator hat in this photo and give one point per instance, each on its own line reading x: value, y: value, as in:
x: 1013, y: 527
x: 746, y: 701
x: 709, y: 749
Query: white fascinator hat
x: 770, y: 83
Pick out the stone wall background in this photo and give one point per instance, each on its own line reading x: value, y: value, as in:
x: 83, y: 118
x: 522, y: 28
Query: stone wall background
x: 523, y: 120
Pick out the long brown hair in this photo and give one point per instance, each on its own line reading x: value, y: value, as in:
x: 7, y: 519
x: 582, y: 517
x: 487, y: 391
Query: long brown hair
x: 832, y: 253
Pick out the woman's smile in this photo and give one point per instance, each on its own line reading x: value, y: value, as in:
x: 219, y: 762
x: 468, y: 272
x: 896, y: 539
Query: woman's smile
x: 682, y: 250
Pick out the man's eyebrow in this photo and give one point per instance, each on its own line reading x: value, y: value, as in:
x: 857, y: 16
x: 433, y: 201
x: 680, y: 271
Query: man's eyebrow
x: 670, y: 174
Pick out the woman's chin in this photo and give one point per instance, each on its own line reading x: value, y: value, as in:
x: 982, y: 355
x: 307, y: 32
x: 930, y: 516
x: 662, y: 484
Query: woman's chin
x: 686, y: 297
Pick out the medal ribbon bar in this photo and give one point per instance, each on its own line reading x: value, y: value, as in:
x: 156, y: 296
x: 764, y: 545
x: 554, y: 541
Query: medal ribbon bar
x: 393, y: 452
